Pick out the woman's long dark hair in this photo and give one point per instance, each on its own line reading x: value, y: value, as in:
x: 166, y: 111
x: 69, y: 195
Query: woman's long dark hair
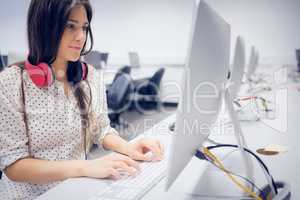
x: 46, y: 22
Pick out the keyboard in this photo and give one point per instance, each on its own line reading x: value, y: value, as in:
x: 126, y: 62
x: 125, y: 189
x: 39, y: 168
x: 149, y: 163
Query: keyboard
x: 135, y: 187
x: 132, y: 188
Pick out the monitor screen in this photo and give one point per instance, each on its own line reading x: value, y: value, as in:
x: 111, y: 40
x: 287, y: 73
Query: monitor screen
x: 205, y: 74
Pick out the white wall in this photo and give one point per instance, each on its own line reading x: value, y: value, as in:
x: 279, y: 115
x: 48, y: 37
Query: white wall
x: 159, y: 29
x: 271, y: 25
x: 13, y: 27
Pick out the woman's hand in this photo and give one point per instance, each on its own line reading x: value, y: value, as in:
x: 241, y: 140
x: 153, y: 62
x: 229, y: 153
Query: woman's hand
x: 110, y: 166
x: 146, y: 150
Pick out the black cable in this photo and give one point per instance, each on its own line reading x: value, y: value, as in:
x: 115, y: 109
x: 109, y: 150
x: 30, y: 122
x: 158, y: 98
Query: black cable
x: 253, y: 154
x: 237, y: 175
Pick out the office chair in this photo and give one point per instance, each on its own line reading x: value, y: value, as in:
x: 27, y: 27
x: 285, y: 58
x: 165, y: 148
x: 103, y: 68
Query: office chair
x: 3, y: 61
x: 118, y: 98
x: 298, y: 59
x: 126, y: 69
x: 146, y: 93
x: 96, y: 59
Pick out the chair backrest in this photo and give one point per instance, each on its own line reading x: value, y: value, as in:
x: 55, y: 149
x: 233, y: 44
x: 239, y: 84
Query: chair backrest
x: 119, y: 91
x: 152, y: 86
x: 157, y: 76
x: 3, y: 62
x: 93, y: 58
x: 126, y: 69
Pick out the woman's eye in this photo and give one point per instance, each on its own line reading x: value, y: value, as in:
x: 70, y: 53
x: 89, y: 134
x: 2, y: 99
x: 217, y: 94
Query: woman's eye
x: 85, y: 28
x: 70, y: 26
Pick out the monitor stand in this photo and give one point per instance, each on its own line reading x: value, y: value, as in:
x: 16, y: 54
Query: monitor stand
x: 238, y: 133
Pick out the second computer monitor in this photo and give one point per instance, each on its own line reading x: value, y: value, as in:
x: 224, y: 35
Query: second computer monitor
x: 251, y: 63
x: 238, y: 67
x: 205, y: 73
x: 134, y: 59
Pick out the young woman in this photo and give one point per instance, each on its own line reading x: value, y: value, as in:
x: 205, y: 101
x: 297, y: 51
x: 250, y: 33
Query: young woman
x: 52, y: 105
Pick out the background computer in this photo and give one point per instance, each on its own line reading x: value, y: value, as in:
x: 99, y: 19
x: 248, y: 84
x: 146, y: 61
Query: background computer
x: 235, y: 83
x: 251, y: 64
x: 256, y: 61
x: 205, y: 75
x: 254, y: 79
x: 238, y: 67
x: 134, y: 59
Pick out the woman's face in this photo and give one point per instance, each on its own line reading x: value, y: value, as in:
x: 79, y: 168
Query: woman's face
x: 74, y: 35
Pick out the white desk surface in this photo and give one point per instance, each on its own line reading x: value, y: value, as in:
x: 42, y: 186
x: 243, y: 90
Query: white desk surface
x: 193, y: 183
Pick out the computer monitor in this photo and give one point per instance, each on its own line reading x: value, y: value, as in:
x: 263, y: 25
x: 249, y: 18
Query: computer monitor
x: 205, y: 74
x: 134, y: 59
x: 256, y: 61
x: 104, y: 59
x: 238, y: 67
x: 251, y: 64
x: 93, y: 58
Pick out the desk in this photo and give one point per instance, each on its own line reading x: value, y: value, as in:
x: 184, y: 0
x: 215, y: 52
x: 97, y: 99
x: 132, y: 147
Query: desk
x: 258, y: 134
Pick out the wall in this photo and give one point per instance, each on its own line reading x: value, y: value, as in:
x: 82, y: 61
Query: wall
x: 270, y: 25
x: 159, y: 29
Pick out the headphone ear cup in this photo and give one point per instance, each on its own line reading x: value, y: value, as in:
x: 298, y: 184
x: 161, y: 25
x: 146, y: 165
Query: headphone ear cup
x: 41, y: 74
x: 84, y: 70
x: 76, y: 72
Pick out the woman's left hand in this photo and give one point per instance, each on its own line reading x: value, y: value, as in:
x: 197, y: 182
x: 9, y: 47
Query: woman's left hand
x: 146, y: 150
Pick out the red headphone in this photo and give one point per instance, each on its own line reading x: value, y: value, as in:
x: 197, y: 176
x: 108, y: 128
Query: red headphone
x: 42, y: 74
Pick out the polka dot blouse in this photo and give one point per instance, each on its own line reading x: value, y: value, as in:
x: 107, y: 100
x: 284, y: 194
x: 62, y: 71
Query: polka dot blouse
x: 54, y: 129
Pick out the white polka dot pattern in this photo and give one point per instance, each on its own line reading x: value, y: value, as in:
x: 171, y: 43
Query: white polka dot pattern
x: 54, y: 124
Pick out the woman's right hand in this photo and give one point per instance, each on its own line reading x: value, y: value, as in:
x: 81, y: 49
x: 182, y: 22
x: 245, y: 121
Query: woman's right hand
x: 110, y: 166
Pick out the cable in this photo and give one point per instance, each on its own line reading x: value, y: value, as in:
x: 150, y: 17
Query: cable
x: 272, y: 182
x: 213, y: 141
x: 237, y: 175
x: 217, y: 161
x: 263, y: 101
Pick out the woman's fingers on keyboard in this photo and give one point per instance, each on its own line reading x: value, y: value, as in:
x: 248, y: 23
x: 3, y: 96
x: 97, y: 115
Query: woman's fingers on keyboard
x: 124, y: 169
x: 113, y: 174
x: 130, y: 162
x: 155, y: 149
x: 161, y: 147
x: 123, y: 158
